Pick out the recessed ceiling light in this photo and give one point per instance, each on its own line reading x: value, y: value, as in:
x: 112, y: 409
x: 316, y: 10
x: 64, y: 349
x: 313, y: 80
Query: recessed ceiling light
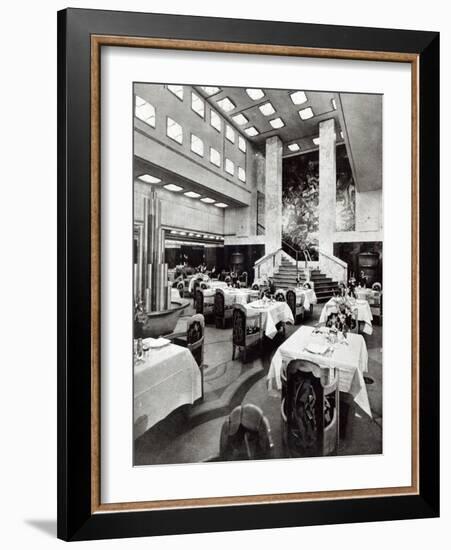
x: 226, y: 105
x: 255, y: 93
x: 334, y: 104
x: 208, y: 200
x: 198, y: 235
x: 298, y: 98
x: 174, y: 232
x: 211, y: 236
x: 307, y: 113
x: 267, y: 109
x: 221, y: 204
x: 277, y: 123
x: 146, y: 178
x: 173, y: 187
x: 190, y: 234
x: 182, y: 233
x: 293, y: 147
x: 192, y: 194
x: 210, y: 90
x: 240, y: 119
x: 316, y: 141
x: 252, y: 131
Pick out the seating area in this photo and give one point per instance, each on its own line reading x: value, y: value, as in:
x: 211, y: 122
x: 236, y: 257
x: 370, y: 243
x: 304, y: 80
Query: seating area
x: 258, y: 315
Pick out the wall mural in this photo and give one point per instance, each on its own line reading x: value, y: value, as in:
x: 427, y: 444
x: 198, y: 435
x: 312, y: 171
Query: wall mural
x: 300, y: 196
x: 300, y: 199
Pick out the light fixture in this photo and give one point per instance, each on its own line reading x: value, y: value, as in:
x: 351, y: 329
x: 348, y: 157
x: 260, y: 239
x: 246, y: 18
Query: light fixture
x: 240, y: 119
x: 221, y: 204
x: 190, y: 234
x: 198, y: 235
x: 334, y: 104
x: 251, y: 131
x: 316, y: 141
x: 226, y: 105
x: 173, y: 232
x: 207, y: 200
x: 192, y: 194
x: 267, y: 109
x: 306, y: 113
x: 298, y: 98
x: 182, y: 233
x: 341, y: 135
x: 210, y: 90
x: 146, y: 178
x: 293, y: 147
x: 277, y: 123
x: 173, y: 187
x: 255, y: 93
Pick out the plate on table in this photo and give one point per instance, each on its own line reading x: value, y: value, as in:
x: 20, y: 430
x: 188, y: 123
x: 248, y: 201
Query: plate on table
x: 156, y: 343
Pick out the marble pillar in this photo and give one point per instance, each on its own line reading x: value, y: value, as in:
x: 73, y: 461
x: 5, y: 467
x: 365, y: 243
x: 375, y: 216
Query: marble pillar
x: 273, y: 194
x: 327, y: 185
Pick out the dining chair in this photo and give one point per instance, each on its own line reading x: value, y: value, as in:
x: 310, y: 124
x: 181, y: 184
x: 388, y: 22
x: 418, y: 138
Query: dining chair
x: 246, y: 330
x: 246, y: 435
x: 295, y: 304
x: 376, y: 305
x: 279, y: 295
x: 193, y: 339
x: 243, y: 279
x: 310, y: 408
x: 222, y: 310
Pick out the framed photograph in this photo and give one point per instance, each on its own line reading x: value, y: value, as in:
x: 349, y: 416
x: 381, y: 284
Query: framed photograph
x: 248, y: 274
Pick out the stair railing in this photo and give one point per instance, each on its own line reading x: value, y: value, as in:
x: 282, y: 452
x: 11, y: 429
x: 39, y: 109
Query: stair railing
x: 266, y: 265
x: 334, y: 267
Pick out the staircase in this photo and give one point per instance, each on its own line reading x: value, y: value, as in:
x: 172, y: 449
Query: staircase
x: 286, y: 277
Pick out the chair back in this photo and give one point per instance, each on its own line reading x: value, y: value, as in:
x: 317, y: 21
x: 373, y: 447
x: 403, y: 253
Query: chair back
x: 239, y: 325
x: 199, y: 301
x: 204, y: 285
x: 246, y: 435
x: 243, y: 278
x: 195, y: 329
x: 255, y: 287
x: 377, y: 287
x: 265, y: 292
x: 310, y: 409
x: 279, y: 296
x: 219, y: 304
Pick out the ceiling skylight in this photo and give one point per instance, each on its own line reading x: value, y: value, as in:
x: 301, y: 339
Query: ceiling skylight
x: 215, y: 120
x: 255, y: 93
x: 267, y: 109
x: 334, y: 104
x: 277, y: 123
x: 192, y: 194
x: 252, y: 131
x: 316, y: 141
x: 221, y: 205
x: 210, y: 90
x: 173, y: 187
x: 307, y: 113
x: 146, y: 178
x: 341, y: 135
x: 207, y: 200
x: 298, y: 98
x: 145, y: 111
x: 176, y: 90
x: 242, y: 144
x: 293, y: 147
x: 226, y: 105
x: 230, y: 134
x: 240, y: 119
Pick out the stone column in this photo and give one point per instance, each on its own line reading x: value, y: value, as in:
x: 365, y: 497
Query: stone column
x: 327, y: 185
x: 273, y: 194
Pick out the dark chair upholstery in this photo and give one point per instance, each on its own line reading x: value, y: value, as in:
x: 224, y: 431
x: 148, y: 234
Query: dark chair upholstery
x: 193, y: 339
x: 247, y: 330
x: 246, y: 435
x: 280, y: 296
x: 295, y: 303
x: 243, y: 279
x: 255, y: 287
x: 310, y: 409
x: 201, y: 306
x: 222, y: 311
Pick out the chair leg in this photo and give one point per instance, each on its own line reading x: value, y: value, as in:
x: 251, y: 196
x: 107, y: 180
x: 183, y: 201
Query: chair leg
x: 233, y: 354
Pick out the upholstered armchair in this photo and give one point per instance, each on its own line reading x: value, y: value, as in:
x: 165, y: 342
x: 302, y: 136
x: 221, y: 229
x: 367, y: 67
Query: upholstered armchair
x: 193, y: 339
x: 245, y: 435
x: 247, y: 329
x: 201, y: 305
x: 279, y: 296
x: 222, y: 310
x: 310, y: 409
x: 295, y: 303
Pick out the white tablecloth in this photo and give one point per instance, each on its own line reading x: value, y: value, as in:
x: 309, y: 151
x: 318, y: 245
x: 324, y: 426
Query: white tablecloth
x: 309, y: 296
x: 366, y: 294
x: 194, y: 279
x: 166, y: 379
x: 231, y: 295
x: 272, y: 314
x: 363, y: 313
x: 351, y: 359
x: 175, y: 295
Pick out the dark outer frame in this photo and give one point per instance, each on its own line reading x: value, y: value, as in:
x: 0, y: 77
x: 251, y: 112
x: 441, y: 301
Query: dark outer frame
x: 80, y: 35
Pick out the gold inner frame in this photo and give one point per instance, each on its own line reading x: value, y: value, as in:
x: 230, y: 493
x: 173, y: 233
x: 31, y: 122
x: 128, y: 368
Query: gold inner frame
x: 97, y: 41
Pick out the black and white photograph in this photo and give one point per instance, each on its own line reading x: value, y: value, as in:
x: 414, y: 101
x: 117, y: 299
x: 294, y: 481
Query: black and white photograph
x: 258, y: 273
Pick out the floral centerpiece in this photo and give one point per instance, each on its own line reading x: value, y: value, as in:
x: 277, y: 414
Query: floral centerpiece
x: 342, y: 319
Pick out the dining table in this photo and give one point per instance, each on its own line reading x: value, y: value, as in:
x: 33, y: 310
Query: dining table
x: 309, y: 296
x: 164, y: 378
x: 348, y: 354
x: 273, y: 312
x: 364, y: 314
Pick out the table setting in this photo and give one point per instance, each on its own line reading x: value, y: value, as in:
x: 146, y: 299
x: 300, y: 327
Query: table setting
x: 273, y: 312
x: 364, y: 315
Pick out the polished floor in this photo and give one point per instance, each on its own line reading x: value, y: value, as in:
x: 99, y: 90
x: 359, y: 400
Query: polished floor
x: 191, y: 434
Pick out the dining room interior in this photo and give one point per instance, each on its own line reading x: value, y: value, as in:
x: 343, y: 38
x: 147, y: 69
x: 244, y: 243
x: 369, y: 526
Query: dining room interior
x: 258, y: 273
